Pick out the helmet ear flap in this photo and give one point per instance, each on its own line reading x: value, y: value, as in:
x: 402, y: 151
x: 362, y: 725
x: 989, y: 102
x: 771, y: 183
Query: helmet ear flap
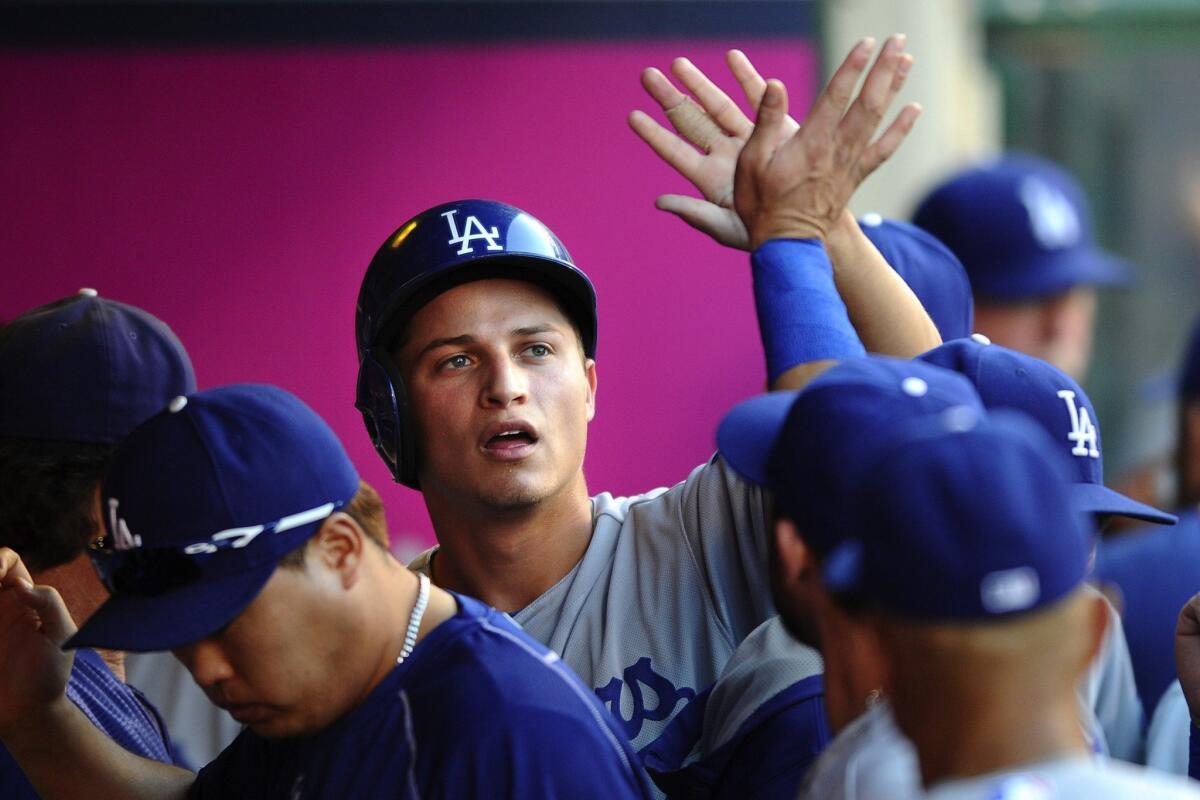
x: 383, y: 402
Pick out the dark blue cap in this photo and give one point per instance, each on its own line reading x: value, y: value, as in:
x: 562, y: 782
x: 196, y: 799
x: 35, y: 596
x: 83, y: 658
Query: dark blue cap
x: 200, y: 504
x: 1008, y: 379
x: 951, y: 522
x: 1020, y: 226
x: 808, y: 447
x: 934, y: 273
x: 87, y: 369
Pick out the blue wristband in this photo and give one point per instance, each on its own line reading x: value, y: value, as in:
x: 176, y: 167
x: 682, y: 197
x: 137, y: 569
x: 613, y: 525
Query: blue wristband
x: 801, y: 316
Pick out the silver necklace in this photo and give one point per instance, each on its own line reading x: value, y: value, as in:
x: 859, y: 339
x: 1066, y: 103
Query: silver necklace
x: 414, y: 619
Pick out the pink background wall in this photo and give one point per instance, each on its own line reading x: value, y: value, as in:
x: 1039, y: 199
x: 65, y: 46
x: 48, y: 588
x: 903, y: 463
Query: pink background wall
x: 240, y: 194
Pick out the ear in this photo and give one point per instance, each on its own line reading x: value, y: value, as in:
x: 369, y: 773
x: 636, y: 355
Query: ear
x: 796, y: 562
x: 589, y: 369
x: 340, y: 546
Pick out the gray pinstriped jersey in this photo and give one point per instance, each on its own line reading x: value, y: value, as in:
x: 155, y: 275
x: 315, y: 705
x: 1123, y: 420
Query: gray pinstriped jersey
x: 670, y: 584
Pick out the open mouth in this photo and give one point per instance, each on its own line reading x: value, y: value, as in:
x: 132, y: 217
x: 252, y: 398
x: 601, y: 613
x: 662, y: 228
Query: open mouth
x: 509, y: 440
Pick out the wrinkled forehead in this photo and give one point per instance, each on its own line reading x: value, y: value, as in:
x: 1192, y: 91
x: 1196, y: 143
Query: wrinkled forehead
x: 483, y: 308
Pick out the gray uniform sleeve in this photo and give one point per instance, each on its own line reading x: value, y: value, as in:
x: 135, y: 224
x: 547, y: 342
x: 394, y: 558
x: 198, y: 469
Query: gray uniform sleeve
x: 724, y: 523
x: 1113, y: 696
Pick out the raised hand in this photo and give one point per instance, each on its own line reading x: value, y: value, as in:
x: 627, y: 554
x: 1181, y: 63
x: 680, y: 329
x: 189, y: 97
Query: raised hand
x: 33, y: 625
x: 797, y: 184
x: 715, y: 125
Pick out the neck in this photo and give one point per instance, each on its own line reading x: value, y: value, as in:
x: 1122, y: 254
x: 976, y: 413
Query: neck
x: 965, y: 734
x: 854, y: 671
x: 389, y: 614
x: 82, y: 593
x: 508, y: 558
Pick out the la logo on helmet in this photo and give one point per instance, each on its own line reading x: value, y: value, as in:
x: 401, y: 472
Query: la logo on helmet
x: 1083, y: 432
x: 472, y: 229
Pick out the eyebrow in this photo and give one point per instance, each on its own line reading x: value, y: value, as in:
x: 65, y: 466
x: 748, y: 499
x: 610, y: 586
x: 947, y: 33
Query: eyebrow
x: 466, y: 338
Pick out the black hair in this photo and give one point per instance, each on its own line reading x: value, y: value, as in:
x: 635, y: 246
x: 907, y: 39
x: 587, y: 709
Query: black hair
x: 48, y: 511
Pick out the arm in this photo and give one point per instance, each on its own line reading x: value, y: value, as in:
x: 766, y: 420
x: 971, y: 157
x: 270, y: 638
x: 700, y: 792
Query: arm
x: 886, y: 314
x: 58, y: 748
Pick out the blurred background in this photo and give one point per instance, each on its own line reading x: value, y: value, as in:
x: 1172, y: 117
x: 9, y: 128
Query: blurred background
x: 232, y: 167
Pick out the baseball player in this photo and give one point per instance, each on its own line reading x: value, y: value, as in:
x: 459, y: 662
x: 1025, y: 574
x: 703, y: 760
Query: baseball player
x: 476, y: 338
x: 763, y: 723
x: 1110, y: 688
x: 1021, y: 227
x: 949, y: 545
x: 76, y: 375
x: 240, y: 537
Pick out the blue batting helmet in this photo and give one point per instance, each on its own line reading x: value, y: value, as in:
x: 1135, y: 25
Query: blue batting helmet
x: 443, y: 247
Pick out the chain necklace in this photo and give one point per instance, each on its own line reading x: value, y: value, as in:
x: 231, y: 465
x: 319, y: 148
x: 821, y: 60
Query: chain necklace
x: 414, y: 619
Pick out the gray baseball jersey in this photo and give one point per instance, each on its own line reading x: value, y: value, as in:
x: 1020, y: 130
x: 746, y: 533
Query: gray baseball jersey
x: 1167, y: 737
x: 1109, y: 692
x: 671, y: 582
x: 872, y: 759
x: 1076, y: 778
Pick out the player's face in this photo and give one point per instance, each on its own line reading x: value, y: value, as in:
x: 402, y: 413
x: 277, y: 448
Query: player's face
x: 501, y: 395
x: 281, y: 666
x: 1057, y: 330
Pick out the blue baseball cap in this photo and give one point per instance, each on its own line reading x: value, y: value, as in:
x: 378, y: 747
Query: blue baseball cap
x: 1006, y: 378
x: 808, y: 447
x: 950, y: 522
x: 87, y: 369
x: 1021, y: 227
x: 935, y: 274
x: 200, y: 504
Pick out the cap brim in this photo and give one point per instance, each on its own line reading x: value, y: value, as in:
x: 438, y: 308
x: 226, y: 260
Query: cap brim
x: 747, y: 433
x: 1094, y: 498
x: 148, y: 623
x: 1056, y: 273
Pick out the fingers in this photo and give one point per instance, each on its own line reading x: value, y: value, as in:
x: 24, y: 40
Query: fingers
x: 753, y: 85
x: 46, y: 602
x: 720, y: 223
x: 714, y: 101
x: 827, y: 111
x: 887, y: 144
x: 661, y: 89
x: 771, y: 129
x: 669, y: 147
x: 12, y: 570
x: 878, y: 91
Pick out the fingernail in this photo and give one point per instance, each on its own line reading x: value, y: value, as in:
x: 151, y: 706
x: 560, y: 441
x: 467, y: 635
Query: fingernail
x: 906, y: 62
x: 900, y: 39
x: 771, y: 94
x: 867, y: 43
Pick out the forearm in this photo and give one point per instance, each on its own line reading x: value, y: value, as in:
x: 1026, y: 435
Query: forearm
x: 886, y: 314
x: 65, y: 756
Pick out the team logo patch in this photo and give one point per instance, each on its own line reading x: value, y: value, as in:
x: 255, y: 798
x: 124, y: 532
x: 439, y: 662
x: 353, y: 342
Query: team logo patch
x: 643, y: 684
x: 1054, y: 220
x: 122, y: 538
x: 1083, y: 431
x: 472, y: 230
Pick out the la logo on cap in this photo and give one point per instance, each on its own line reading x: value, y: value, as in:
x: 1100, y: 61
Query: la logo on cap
x: 1083, y: 431
x: 122, y: 538
x: 1054, y: 219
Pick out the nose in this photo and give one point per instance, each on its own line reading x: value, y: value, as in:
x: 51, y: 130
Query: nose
x: 506, y: 384
x: 207, y: 663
